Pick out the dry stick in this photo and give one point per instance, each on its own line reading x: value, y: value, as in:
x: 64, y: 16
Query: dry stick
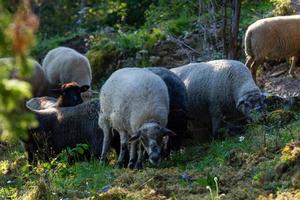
x: 184, y: 44
x: 173, y: 39
x: 145, y: 183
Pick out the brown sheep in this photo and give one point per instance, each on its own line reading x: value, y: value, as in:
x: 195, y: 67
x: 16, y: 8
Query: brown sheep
x: 272, y: 38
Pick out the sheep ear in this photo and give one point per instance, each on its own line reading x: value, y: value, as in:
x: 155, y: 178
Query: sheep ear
x: 84, y: 88
x: 135, y: 137
x: 168, y: 132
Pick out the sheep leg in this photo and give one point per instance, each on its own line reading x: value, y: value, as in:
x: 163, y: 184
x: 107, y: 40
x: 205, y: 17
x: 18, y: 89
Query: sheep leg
x: 249, y: 61
x: 123, y: 148
x: 139, y: 164
x: 104, y: 124
x: 133, y: 152
x: 254, y: 66
x: 216, y: 124
x: 292, y: 71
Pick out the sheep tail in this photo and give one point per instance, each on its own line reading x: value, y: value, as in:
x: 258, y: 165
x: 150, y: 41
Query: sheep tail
x: 248, y: 46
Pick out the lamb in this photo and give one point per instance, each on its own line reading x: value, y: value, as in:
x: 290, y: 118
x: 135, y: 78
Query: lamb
x: 62, y: 127
x: 37, y: 80
x: 272, y: 38
x: 177, y: 119
x: 135, y: 102
x: 64, y: 65
x: 220, y: 88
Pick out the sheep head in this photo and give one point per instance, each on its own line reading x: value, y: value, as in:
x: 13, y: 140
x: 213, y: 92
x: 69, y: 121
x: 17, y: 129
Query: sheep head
x: 252, y: 105
x: 151, y: 136
x: 70, y: 94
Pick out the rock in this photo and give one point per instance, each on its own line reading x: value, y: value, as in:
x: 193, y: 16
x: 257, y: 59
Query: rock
x: 154, y: 60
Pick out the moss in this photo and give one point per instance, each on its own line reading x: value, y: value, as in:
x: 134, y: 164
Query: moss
x: 279, y: 118
x: 103, y: 62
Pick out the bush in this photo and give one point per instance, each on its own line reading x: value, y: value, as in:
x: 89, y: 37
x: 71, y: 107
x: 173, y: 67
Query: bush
x: 45, y: 45
x: 282, y: 7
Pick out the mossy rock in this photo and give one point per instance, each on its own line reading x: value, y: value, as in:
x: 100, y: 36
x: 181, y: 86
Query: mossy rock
x: 279, y: 118
x: 103, y: 62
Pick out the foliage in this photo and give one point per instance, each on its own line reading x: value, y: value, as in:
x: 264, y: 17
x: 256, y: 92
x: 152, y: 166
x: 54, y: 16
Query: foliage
x: 64, y: 16
x: 282, y: 7
x: 250, y: 12
x: 43, y: 46
x: 16, y: 38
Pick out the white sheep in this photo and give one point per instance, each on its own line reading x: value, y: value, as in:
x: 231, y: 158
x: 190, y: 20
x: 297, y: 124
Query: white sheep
x: 37, y: 79
x: 272, y: 38
x: 64, y: 65
x: 135, y: 102
x: 219, y: 88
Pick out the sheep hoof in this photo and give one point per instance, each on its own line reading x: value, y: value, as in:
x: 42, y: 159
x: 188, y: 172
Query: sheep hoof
x: 138, y: 165
x: 292, y: 75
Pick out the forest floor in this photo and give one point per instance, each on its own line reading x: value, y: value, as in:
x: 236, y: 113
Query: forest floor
x: 277, y: 80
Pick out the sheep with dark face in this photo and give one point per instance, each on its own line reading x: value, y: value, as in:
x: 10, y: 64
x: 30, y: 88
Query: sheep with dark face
x: 135, y: 102
x: 177, y: 119
x: 63, y: 65
x: 218, y: 89
x: 62, y: 127
x: 69, y: 94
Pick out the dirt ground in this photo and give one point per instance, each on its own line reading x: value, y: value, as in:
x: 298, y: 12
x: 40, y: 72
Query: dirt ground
x: 276, y: 80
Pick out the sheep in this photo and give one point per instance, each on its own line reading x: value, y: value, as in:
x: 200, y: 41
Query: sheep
x: 217, y: 89
x: 177, y: 119
x: 62, y: 127
x: 69, y: 94
x: 62, y: 65
x: 37, y: 80
x: 272, y: 38
x: 135, y: 102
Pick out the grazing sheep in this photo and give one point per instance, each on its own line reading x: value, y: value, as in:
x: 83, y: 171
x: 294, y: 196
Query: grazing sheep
x: 64, y: 65
x: 135, y: 102
x: 272, y: 38
x: 177, y: 119
x: 60, y: 128
x: 37, y: 80
x: 217, y: 89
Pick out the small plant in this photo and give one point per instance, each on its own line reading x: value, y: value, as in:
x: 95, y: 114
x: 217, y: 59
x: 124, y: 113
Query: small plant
x: 214, y: 195
x: 77, y: 151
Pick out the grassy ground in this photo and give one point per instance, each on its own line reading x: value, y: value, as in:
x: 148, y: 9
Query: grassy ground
x: 262, y: 162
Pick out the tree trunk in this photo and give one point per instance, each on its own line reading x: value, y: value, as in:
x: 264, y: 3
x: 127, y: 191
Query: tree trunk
x: 224, y: 26
x: 236, y: 8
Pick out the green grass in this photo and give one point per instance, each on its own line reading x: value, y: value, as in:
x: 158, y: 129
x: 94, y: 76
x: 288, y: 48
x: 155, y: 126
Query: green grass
x: 88, y: 178
x: 251, y: 161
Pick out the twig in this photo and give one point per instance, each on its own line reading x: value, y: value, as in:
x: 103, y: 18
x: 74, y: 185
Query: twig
x: 184, y: 44
x: 145, y: 183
